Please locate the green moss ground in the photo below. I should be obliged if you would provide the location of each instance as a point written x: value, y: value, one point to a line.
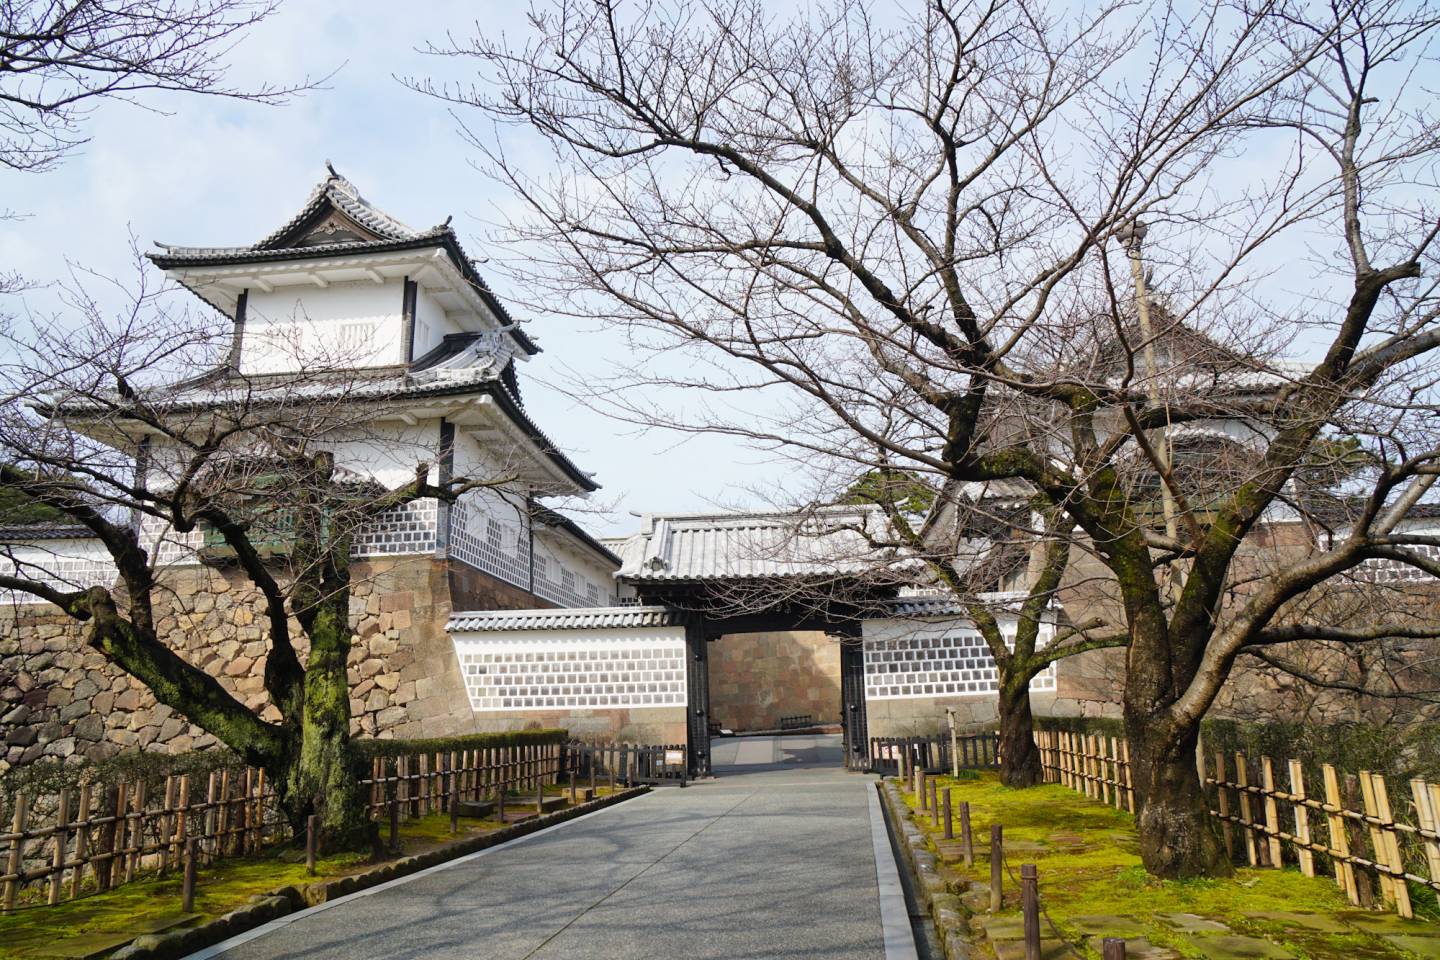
x: 219, y: 889
x: 1089, y: 865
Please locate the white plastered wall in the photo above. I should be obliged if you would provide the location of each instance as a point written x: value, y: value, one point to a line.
x: 290, y: 328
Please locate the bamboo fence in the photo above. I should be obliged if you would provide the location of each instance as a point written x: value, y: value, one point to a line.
x: 81, y: 839
x: 1348, y: 829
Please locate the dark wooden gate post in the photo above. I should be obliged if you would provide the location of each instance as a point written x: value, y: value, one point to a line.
x: 852, y: 703
x: 697, y: 677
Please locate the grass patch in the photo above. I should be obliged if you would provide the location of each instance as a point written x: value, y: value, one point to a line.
x: 1087, y: 855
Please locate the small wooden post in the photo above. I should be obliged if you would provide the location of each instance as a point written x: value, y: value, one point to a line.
x: 539, y: 795
x: 967, y: 843
x: 1030, y: 906
x: 454, y: 802
x: 590, y: 762
x: 395, y: 807
x: 574, y: 797
x: 312, y: 842
x: 934, y: 802
x: 949, y: 822
x: 187, y: 890
x: 1302, y: 819
x: 920, y: 798
x: 1272, y: 813
x: 997, y: 857
x: 1364, y: 886
x: 15, y: 861
x: 1114, y: 949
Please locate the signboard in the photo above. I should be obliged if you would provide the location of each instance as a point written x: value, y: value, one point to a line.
x: 674, y: 758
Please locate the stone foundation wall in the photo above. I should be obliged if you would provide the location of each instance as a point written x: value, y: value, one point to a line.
x: 59, y: 698
x: 472, y: 589
x: 757, y: 678
x: 646, y: 725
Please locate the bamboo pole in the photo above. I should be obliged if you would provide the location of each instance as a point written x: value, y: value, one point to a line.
x: 1389, y: 837
x: 61, y: 837
x: 1427, y: 814
x: 1302, y: 819
x: 1339, y: 836
x: 82, y: 842
x: 15, y: 861
x: 1222, y: 799
x: 1272, y: 813
x: 1242, y: 779
x: 1378, y: 847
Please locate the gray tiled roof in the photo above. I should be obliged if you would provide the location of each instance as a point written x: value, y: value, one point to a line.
x: 11, y: 533
x: 819, y: 542
x: 391, y: 234
x: 377, y: 384
x: 575, y: 618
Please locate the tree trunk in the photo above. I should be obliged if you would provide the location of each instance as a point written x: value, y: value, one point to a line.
x: 1019, y: 756
x: 1178, y: 839
x: 324, y: 778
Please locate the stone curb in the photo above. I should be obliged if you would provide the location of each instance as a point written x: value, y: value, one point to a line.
x: 285, y: 900
x: 937, y: 888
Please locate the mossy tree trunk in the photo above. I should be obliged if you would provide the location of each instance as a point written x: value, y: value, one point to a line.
x: 1178, y: 839
x: 1019, y: 756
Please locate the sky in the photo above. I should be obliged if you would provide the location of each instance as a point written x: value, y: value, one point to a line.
x: 202, y: 171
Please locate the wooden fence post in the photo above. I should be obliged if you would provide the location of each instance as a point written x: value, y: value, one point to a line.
x: 1030, y: 909
x: 967, y: 843
x: 949, y: 821
x: 1114, y: 949
x: 1379, y: 849
x: 997, y: 857
x: 187, y: 889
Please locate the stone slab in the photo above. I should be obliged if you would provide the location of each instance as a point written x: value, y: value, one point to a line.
x: 1023, y: 846
x: 1420, y: 946
x: 161, y: 924
x: 1239, y: 948
x: 85, y: 946
x: 479, y: 809
x: 1015, y: 950
x: 1319, y: 922
x: 1384, y: 924
x: 1106, y: 925
x: 1192, y: 923
x: 1142, y: 949
x: 1003, y: 928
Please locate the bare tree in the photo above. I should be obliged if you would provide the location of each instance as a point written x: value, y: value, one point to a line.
x: 896, y: 240
x: 59, y: 58
x: 101, y: 426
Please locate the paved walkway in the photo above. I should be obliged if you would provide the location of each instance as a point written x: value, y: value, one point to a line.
x: 775, y: 858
